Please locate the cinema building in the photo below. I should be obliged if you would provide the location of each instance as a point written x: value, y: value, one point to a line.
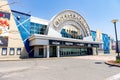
x: 66, y: 34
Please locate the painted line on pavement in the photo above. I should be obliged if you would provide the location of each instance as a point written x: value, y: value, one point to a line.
x: 115, y: 77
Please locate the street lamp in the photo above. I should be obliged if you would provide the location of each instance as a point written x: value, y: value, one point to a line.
x: 114, y: 22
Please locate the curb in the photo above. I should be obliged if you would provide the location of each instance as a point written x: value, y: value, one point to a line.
x: 112, y: 64
x: 27, y: 59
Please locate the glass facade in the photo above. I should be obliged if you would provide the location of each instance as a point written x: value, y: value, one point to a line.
x: 105, y: 39
x: 75, y: 51
x: 36, y: 28
x: 106, y: 43
x: 70, y: 31
x: 26, y: 29
x: 93, y: 33
x: 23, y: 23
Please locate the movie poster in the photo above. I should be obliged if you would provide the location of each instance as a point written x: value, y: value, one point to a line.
x: 4, y: 28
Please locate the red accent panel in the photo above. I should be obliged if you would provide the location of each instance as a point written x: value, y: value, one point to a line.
x: 1, y: 15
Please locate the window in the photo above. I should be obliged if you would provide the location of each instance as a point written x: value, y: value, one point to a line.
x: 4, y: 51
x: 35, y: 28
x: 12, y: 51
x: 18, y: 51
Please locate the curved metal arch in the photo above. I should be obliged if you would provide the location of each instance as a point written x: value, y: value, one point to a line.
x: 64, y: 17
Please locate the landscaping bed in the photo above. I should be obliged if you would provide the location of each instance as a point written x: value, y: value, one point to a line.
x: 113, y: 63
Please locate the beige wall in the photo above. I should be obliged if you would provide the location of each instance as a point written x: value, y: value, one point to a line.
x: 14, y: 38
x: 36, y: 51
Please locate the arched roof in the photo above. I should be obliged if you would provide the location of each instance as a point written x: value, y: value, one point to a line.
x: 69, y: 17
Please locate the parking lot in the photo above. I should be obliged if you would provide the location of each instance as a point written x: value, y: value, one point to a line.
x: 66, y: 68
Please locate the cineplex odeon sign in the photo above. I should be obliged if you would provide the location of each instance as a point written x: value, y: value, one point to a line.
x: 70, y: 17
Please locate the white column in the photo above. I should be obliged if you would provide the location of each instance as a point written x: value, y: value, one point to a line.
x: 48, y: 51
x: 95, y: 51
x: 44, y: 55
x: 36, y: 51
x: 58, y: 51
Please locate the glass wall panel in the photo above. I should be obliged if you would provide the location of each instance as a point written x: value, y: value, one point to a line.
x: 70, y: 31
x: 37, y: 28
x: 18, y: 51
x: 4, y: 51
x: 12, y: 51
x: 73, y: 51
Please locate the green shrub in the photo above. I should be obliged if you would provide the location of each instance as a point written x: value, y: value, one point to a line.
x: 118, y: 60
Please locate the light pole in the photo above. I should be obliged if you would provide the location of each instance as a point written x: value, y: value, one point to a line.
x: 114, y: 22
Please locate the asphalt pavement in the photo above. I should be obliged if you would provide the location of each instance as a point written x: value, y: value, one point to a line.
x: 66, y: 68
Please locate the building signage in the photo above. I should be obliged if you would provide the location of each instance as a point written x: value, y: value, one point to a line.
x: 3, y: 41
x: 1, y: 15
x: 69, y: 17
x: 56, y: 43
x: 95, y: 45
x: 67, y: 43
x: 4, y: 15
x: 79, y: 44
x: 4, y: 27
x: 89, y: 45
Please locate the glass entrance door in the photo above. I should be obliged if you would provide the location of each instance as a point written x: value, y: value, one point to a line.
x: 53, y: 51
x: 41, y: 52
x: 75, y: 51
x: 89, y: 51
x: 70, y: 51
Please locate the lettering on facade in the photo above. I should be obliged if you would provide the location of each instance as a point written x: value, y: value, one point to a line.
x: 68, y: 43
x: 65, y: 43
x: 95, y: 45
x: 79, y: 44
x: 89, y: 45
x: 56, y: 43
x: 70, y: 16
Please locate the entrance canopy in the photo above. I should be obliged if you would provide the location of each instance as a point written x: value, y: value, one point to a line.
x: 36, y: 40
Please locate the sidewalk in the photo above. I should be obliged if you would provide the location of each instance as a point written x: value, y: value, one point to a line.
x: 102, y: 57
x: 10, y: 59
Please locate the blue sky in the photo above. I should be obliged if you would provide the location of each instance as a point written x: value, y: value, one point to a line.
x: 97, y: 13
